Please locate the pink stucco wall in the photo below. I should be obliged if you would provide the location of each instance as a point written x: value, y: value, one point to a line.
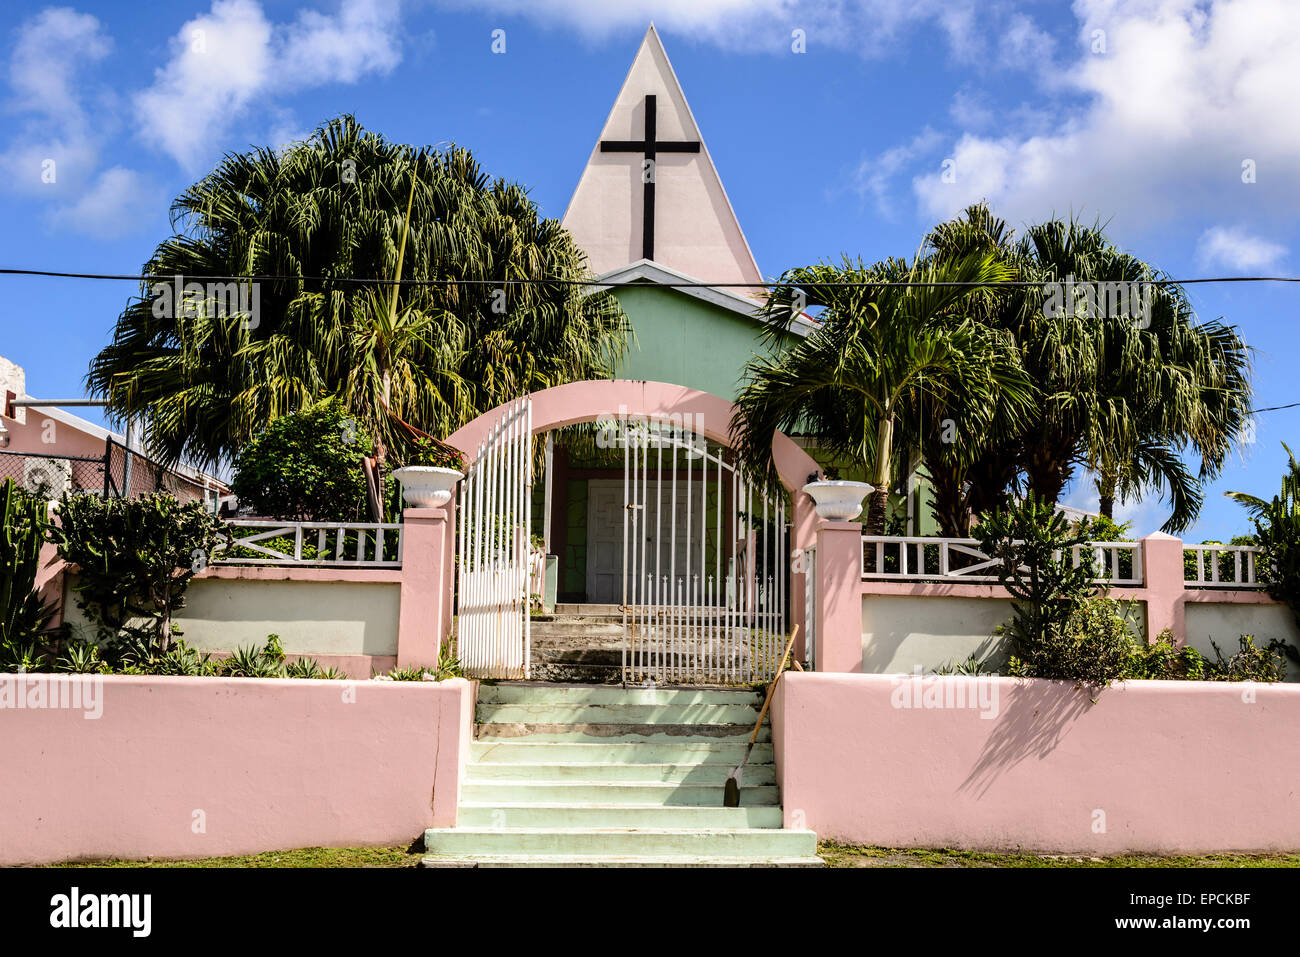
x: 1148, y: 766
x: 263, y: 764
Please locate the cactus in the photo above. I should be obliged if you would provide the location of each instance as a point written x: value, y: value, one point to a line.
x: 24, y: 528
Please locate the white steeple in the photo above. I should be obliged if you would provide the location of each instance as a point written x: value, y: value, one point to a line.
x: 693, y: 229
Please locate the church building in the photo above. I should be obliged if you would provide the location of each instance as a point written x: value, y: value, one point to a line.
x: 652, y: 214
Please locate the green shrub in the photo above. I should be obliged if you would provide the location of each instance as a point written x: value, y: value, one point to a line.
x: 135, y: 559
x: 1093, y: 646
x: 1164, y: 660
x: 24, y: 618
x: 306, y: 466
x: 1250, y: 663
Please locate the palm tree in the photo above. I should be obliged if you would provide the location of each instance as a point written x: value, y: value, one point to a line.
x: 491, y: 303
x: 1277, y: 530
x: 970, y: 446
x: 1125, y: 394
x: 876, y: 346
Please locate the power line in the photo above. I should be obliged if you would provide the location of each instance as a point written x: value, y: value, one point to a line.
x: 610, y: 283
x: 1274, y: 408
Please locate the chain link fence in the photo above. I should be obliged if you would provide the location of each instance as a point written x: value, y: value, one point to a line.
x: 119, y: 473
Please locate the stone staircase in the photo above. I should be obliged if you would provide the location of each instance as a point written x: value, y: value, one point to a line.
x: 578, y: 643
x: 590, y: 776
x: 584, y: 644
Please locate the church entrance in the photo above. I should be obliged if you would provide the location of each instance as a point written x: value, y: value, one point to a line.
x: 675, y: 559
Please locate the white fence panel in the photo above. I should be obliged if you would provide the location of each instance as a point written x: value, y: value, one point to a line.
x: 495, y: 519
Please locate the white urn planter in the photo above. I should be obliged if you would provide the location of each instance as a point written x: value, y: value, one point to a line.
x: 427, y: 486
x: 838, y: 501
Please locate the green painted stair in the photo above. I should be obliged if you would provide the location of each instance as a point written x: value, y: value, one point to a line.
x: 599, y: 776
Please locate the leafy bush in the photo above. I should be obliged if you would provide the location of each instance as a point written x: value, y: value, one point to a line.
x: 1164, y: 660
x: 306, y: 466
x: 24, y: 618
x: 1093, y: 646
x: 135, y: 559
x: 1250, y: 663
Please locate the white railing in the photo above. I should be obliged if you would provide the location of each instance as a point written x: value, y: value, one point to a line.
x: 916, y: 558
x: 360, y: 544
x: 1210, y: 573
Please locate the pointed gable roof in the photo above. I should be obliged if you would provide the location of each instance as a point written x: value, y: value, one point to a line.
x: 695, y: 229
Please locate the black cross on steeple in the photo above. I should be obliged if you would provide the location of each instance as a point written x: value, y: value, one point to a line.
x: 649, y: 147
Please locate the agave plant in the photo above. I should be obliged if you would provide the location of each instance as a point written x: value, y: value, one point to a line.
x: 80, y: 657
x: 303, y: 668
x: 24, y: 527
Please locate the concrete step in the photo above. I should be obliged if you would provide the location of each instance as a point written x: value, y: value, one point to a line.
x: 564, y: 670
x: 620, y: 731
x: 527, y: 751
x: 544, y: 712
x: 577, y: 629
x: 702, y: 773
x: 659, y: 794
x: 587, y: 609
x: 561, y: 860
x: 615, y: 815
x: 686, y: 843
x: 520, y: 693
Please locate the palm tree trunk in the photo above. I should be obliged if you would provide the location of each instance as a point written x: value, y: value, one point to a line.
x: 1106, y: 483
x: 878, y: 503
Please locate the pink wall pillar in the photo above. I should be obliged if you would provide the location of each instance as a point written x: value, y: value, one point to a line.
x: 423, y: 621
x: 839, y: 597
x: 1162, y: 573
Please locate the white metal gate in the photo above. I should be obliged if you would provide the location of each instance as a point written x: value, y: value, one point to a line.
x: 492, y: 626
x: 704, y: 586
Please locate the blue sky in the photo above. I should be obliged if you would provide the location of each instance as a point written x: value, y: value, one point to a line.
x: 1138, y: 112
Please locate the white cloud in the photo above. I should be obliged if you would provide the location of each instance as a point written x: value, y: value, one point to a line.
x: 875, y: 177
x: 321, y: 49
x: 52, y: 49
x: 970, y: 109
x: 232, y: 58
x: 114, y: 205
x: 1024, y: 45
x: 1160, y: 125
x: 1236, y: 249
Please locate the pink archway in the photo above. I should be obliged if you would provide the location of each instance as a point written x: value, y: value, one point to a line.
x: 590, y: 400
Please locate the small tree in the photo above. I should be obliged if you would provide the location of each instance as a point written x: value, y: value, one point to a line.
x: 1060, y: 627
x: 306, y: 466
x: 1034, y: 545
x: 135, y: 559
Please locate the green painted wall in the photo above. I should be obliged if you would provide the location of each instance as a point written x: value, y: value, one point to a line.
x: 685, y: 341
